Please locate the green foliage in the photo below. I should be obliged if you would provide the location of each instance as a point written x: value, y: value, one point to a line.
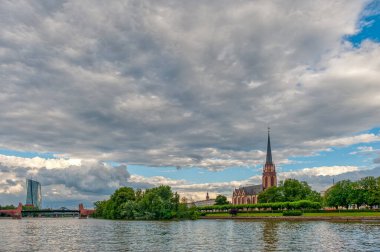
x: 292, y: 213
x: 272, y: 194
x: 221, y: 200
x: 7, y: 207
x: 301, y: 204
x: 288, y: 191
x: 345, y: 193
x: 29, y: 208
x: 158, y: 203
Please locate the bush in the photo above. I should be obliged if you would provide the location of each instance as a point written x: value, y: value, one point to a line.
x: 292, y: 213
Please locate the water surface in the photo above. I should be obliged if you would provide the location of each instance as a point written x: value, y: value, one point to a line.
x: 67, y: 234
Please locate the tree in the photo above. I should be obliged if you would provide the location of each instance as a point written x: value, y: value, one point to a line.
x: 272, y: 194
x: 288, y: 191
x: 155, y: 203
x: 370, y: 191
x: 221, y: 200
x: 295, y: 190
x: 339, y: 194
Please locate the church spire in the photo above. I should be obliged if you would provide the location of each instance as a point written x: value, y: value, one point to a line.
x: 269, y: 170
x: 269, y: 150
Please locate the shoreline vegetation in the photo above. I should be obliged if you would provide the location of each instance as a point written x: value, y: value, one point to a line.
x: 158, y: 203
x: 292, y: 199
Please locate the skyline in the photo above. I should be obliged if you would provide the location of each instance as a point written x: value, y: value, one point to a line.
x: 138, y: 94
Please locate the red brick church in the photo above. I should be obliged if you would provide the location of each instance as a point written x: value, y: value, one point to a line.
x: 249, y: 194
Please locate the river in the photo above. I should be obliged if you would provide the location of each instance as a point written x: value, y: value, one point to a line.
x: 69, y: 234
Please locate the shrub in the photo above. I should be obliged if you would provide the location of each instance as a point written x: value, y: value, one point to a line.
x: 292, y: 213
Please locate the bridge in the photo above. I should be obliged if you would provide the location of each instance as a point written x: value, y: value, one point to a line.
x: 18, y: 212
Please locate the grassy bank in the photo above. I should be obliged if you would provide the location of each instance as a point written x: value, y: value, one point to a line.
x: 325, y: 214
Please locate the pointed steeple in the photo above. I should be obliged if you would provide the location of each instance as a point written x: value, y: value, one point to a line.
x: 269, y: 150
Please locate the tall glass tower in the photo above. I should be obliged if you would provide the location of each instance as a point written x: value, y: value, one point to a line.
x: 33, y: 193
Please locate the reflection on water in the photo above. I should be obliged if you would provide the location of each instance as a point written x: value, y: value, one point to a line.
x: 270, y: 235
x: 203, y: 235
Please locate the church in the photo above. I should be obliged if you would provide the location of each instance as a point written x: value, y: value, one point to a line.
x: 249, y: 194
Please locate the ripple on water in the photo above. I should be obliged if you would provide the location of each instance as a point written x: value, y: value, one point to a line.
x: 203, y: 235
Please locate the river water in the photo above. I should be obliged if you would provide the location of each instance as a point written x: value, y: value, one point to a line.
x: 69, y: 234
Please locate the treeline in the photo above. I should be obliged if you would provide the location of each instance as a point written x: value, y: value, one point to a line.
x: 289, y: 190
x: 7, y: 207
x: 293, y: 194
x: 294, y: 205
x: 158, y: 203
x: 346, y: 193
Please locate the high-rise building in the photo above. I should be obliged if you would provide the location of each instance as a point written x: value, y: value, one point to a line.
x: 33, y: 193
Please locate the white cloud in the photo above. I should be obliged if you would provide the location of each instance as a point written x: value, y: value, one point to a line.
x: 344, y: 141
x: 182, y: 84
x: 318, y: 171
x: 38, y: 162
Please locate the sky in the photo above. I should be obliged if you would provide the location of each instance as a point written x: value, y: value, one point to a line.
x: 97, y: 95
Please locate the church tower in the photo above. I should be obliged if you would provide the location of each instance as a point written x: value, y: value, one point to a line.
x: 269, y: 171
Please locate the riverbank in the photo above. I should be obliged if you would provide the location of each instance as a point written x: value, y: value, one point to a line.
x: 279, y: 217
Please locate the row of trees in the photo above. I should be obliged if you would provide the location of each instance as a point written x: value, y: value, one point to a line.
x: 346, y: 193
x: 7, y: 207
x: 161, y: 203
x: 152, y: 204
x: 301, y: 204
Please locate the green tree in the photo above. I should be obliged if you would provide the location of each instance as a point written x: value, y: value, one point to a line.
x: 295, y: 190
x: 357, y: 195
x: 7, y: 207
x: 221, y: 200
x: 370, y: 190
x: 272, y: 194
x: 155, y: 203
x: 339, y: 194
x: 288, y: 191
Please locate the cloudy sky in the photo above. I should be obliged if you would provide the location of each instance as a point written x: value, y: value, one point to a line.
x: 101, y: 94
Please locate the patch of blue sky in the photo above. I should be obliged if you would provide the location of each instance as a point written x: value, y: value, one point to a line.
x: 338, y: 156
x: 368, y: 25
x: 27, y: 154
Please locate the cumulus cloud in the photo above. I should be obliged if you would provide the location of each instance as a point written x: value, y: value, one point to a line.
x: 38, y: 162
x: 90, y: 180
x: 148, y: 83
x: 180, y: 83
x: 346, y: 141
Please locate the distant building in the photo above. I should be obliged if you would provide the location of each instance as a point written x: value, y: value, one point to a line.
x: 249, y: 194
x: 207, y: 202
x: 33, y: 193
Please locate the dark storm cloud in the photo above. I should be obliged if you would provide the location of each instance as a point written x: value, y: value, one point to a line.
x: 92, y: 178
x: 180, y: 83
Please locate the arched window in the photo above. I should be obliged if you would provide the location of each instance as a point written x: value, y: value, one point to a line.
x: 266, y: 182
x: 248, y: 201
x: 272, y: 181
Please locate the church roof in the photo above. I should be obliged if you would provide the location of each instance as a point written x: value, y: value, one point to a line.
x: 250, y: 190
